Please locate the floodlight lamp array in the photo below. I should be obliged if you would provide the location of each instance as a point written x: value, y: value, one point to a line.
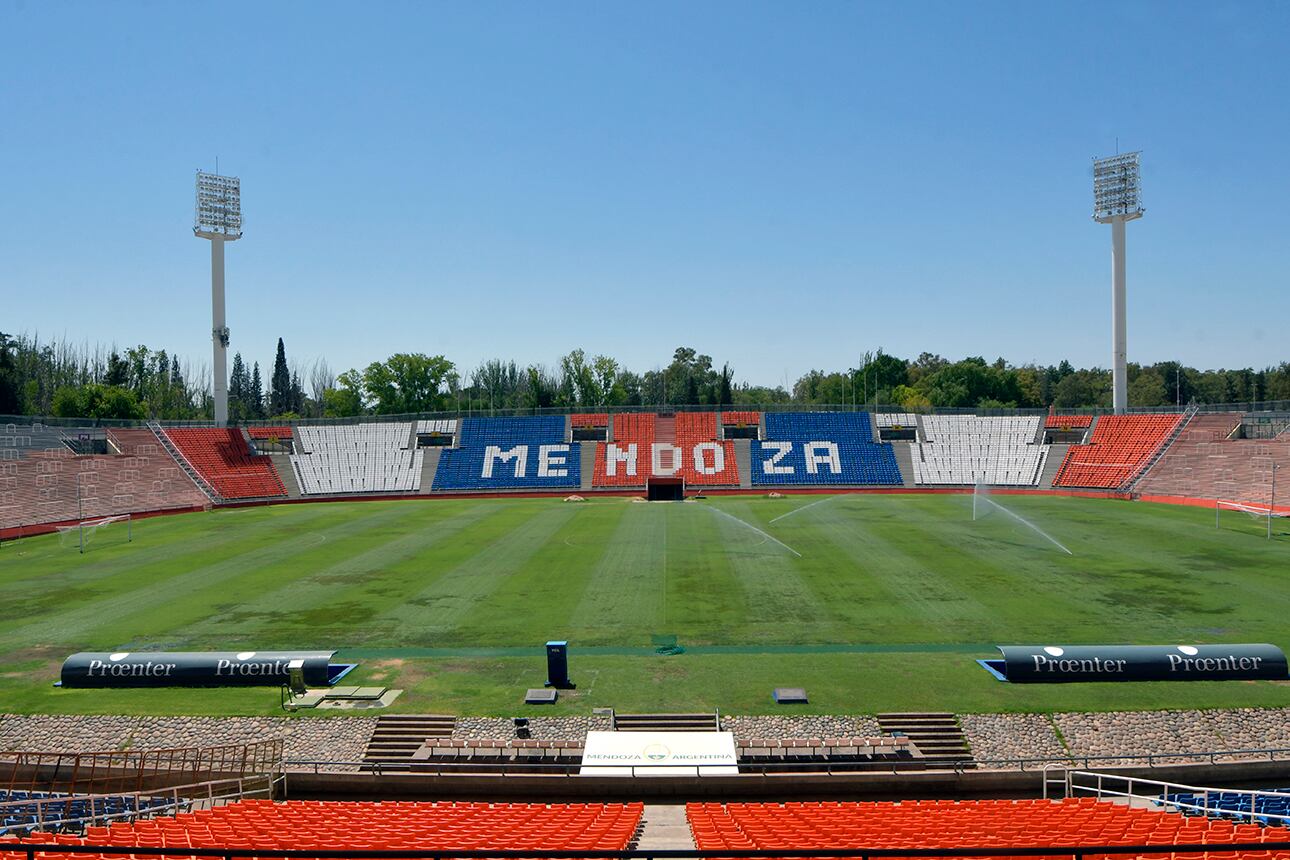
x: 219, y: 206
x: 1117, y: 187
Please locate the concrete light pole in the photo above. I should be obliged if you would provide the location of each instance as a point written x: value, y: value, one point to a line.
x: 218, y: 218
x: 1117, y: 188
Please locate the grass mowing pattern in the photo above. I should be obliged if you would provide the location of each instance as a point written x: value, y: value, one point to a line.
x: 890, y: 601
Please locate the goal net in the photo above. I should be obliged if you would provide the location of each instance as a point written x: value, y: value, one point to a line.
x: 80, y: 535
x: 1272, y: 519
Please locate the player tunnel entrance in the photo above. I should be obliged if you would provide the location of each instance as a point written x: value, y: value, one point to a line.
x: 665, y: 489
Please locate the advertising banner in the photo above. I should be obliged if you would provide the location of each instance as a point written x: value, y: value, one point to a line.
x: 1055, y: 664
x: 199, y: 668
x: 659, y: 754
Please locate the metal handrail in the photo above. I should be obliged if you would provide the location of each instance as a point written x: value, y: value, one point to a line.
x: 1167, y: 788
x: 426, y: 767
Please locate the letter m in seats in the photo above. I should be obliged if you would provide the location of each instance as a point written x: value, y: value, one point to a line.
x: 493, y: 454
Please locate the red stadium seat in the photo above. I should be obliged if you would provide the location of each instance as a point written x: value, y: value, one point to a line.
x: 221, y: 457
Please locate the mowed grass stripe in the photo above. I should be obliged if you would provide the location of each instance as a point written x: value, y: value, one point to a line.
x: 701, y: 598
x: 437, y: 610
x: 158, y: 607
x: 361, y: 576
x: 45, y: 577
x: 536, y: 603
x: 623, y: 600
x: 913, y: 597
x: 775, y: 593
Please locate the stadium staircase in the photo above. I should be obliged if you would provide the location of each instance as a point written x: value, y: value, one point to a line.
x: 286, y: 473
x: 665, y: 434
x: 429, y: 465
x: 397, y: 736
x: 743, y: 460
x: 1056, y: 456
x: 664, y: 827
x: 904, y: 452
x: 667, y: 722
x: 1132, y: 484
x: 936, y: 735
x: 179, y: 458
x: 588, y: 465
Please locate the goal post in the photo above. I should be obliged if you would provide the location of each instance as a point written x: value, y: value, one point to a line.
x: 81, y: 534
x: 1263, y: 513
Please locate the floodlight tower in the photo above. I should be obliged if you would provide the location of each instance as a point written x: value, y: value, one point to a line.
x: 1116, y: 200
x: 218, y: 218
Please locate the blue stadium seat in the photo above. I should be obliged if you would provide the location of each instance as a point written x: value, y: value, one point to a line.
x: 511, y: 453
x: 808, y: 448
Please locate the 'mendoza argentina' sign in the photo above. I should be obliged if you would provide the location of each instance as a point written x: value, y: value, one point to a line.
x: 198, y: 668
x: 1049, y: 664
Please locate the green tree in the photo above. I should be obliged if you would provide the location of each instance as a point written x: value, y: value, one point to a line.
x: 255, y: 398
x: 280, y: 383
x: 95, y: 400
x: 406, y: 382
x: 118, y: 372
x: 1147, y: 389
x: 346, y: 399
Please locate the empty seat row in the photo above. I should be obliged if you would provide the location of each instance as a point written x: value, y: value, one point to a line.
x: 1119, y: 449
x: 357, y: 458
x: 943, y: 824
x: 510, y: 453
x: 410, y: 826
x: 222, y: 458
x: 970, y: 449
x: 808, y: 448
x: 686, y: 445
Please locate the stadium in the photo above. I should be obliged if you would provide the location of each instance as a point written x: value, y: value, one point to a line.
x: 710, y: 626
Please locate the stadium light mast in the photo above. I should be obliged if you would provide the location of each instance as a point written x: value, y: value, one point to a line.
x: 1117, y: 190
x: 218, y: 217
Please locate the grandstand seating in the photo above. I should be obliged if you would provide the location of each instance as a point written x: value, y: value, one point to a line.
x: 446, y: 427
x: 356, y: 458
x: 34, y: 437
x: 280, y: 432
x: 967, y: 449
x: 741, y: 419
x: 221, y: 456
x: 1204, y: 463
x: 1236, y: 805
x: 1074, y: 422
x: 684, y: 445
x: 23, y: 810
x: 589, y: 419
x: 895, y: 419
x: 42, y: 486
x: 510, y: 453
x: 1119, y: 449
x: 342, y: 825
x: 821, y: 448
x: 954, y: 824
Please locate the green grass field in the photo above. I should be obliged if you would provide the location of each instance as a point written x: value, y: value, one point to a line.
x: 871, y: 602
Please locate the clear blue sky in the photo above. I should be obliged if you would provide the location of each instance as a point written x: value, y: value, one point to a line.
x: 780, y: 185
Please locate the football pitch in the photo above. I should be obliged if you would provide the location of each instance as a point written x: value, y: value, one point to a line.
x: 870, y: 602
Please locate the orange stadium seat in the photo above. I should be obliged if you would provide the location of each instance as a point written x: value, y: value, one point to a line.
x: 221, y: 457
x: 304, y: 825
x: 933, y: 824
x: 269, y: 432
x: 1076, y: 422
x: 1119, y: 449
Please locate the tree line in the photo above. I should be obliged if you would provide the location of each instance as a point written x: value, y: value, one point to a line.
x: 62, y: 379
